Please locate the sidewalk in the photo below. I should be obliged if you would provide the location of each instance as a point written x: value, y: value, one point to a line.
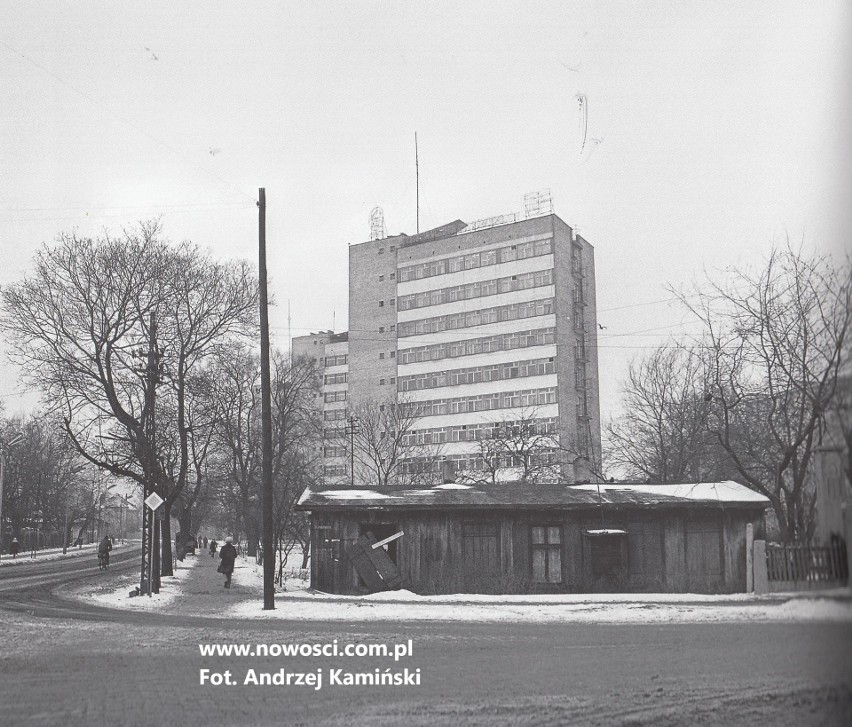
x: 203, y: 592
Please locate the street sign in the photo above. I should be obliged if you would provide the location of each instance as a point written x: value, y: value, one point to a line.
x: 154, y: 501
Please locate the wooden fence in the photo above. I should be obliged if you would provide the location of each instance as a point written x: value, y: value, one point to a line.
x: 807, y: 565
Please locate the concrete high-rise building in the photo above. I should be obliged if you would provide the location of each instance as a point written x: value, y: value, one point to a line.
x: 481, y: 325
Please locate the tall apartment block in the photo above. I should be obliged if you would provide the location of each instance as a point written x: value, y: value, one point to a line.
x: 481, y: 326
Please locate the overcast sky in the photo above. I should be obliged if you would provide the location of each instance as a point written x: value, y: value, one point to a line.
x: 713, y: 129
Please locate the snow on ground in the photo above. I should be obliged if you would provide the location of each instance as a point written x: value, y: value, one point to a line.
x: 298, y: 601
x: 23, y: 558
x: 116, y: 594
x: 585, y: 609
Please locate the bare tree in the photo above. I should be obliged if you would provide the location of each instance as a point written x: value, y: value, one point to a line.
x: 772, y: 345
x: 81, y: 320
x: 662, y: 433
x: 385, y: 446
x: 44, y: 488
x: 520, y: 448
x: 234, y: 398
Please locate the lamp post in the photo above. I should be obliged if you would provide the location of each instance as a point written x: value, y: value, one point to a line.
x: 17, y: 439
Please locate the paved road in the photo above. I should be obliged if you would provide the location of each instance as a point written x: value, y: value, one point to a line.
x: 68, y: 665
x: 28, y: 573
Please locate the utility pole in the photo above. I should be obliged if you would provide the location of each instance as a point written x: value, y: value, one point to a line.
x: 350, y: 430
x: 150, y: 578
x: 266, y: 412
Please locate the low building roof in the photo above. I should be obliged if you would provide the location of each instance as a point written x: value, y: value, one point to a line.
x: 524, y: 496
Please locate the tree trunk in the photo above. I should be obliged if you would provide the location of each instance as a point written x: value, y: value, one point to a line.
x: 166, y: 542
x: 185, y: 520
x: 306, y: 553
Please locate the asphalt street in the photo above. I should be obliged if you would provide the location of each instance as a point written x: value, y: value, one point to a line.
x: 67, y: 663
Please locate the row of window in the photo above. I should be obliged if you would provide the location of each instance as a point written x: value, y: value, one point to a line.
x: 478, y: 289
x: 336, y: 360
x: 473, y: 346
x: 332, y: 396
x: 334, y: 470
x: 331, y: 451
x: 484, y: 316
x: 477, y: 374
x: 476, y: 463
x: 487, y: 402
x: 334, y: 415
x: 340, y: 378
x: 470, y: 432
x: 474, y: 260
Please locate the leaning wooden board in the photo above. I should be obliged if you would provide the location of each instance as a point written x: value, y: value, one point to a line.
x: 374, y: 566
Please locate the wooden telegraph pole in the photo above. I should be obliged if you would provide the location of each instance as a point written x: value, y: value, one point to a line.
x: 266, y: 413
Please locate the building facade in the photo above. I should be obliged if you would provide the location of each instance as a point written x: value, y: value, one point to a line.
x: 480, y: 329
x: 330, y: 353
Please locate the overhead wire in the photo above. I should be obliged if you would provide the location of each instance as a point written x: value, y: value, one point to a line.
x: 125, y: 120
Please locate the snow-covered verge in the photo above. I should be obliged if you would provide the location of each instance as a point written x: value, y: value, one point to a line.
x: 588, y: 609
x: 299, y: 602
x: 23, y: 558
x: 116, y: 592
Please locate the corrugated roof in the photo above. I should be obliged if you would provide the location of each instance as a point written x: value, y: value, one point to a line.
x: 519, y: 496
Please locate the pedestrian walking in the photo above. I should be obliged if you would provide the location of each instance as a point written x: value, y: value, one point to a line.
x: 103, y: 552
x: 14, y: 547
x: 213, y: 546
x: 227, y: 556
x: 205, y: 541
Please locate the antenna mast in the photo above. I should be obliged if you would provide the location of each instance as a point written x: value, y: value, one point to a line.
x: 417, y: 176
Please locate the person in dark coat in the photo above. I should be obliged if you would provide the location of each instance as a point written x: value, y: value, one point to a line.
x: 213, y: 546
x: 228, y: 554
x: 103, y: 551
x: 14, y: 547
x: 205, y: 541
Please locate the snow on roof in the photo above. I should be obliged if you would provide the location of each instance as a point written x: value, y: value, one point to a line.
x: 727, y: 491
x: 605, y: 531
x: 518, y: 495
x: 345, y: 494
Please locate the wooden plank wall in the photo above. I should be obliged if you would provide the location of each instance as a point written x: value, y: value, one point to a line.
x: 430, y: 554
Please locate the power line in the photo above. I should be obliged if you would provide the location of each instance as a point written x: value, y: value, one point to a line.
x: 203, y: 205
x: 125, y: 120
x: 174, y: 209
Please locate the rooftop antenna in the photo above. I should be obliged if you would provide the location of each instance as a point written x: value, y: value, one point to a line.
x: 377, y: 224
x: 417, y: 180
x: 538, y: 204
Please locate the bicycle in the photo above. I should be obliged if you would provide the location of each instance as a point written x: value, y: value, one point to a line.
x: 103, y: 560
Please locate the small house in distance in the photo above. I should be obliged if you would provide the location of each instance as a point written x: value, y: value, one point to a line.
x: 535, y: 538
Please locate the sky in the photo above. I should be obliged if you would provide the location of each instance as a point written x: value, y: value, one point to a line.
x: 713, y: 131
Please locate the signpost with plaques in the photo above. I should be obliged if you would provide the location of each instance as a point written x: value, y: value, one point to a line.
x: 152, y: 502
